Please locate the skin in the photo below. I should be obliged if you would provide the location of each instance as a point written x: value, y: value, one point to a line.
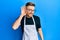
x: 28, y: 11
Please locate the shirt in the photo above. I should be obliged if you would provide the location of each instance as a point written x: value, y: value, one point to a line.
x: 29, y: 21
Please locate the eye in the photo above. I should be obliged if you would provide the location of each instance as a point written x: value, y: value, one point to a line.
x: 30, y: 10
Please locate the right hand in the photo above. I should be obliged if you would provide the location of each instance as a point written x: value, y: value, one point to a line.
x: 23, y: 11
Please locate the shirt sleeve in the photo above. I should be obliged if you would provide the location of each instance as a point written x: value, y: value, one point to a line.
x: 22, y: 22
x: 38, y: 24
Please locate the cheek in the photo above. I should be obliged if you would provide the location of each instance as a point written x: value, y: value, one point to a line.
x: 32, y: 12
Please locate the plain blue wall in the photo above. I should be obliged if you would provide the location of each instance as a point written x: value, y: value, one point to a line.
x: 47, y: 10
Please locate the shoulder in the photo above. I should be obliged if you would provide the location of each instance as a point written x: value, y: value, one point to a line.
x: 36, y: 17
x: 23, y: 17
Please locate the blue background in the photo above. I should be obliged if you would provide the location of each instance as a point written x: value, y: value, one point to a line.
x: 47, y: 10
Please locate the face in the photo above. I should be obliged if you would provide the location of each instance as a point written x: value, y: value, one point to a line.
x: 30, y: 11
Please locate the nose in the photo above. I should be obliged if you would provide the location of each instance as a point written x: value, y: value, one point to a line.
x: 30, y: 11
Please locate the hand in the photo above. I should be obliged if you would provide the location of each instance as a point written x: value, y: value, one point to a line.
x: 23, y: 11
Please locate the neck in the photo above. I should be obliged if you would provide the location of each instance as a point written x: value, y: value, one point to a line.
x: 28, y: 16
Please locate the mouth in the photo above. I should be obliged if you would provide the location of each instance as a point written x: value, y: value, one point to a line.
x: 30, y: 13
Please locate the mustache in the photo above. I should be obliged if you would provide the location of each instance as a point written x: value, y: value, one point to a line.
x: 30, y: 13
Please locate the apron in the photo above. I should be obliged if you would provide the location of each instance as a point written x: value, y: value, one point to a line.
x: 30, y: 32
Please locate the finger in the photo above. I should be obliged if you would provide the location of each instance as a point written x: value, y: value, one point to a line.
x: 23, y: 7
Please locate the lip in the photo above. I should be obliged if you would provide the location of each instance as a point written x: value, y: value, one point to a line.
x: 30, y: 13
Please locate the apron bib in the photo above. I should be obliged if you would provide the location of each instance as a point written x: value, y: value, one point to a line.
x: 30, y: 32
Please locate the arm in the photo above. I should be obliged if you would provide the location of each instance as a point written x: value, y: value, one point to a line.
x: 17, y: 23
x: 40, y: 33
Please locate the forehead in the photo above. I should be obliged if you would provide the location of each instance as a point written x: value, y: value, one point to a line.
x: 30, y: 7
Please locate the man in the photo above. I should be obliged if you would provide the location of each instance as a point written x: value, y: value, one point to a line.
x: 29, y: 23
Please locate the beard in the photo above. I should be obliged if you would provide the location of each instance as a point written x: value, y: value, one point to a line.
x: 29, y: 15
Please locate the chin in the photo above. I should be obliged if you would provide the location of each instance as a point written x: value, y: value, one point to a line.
x: 30, y: 15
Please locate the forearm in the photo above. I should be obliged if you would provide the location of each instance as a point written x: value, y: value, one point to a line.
x: 17, y: 22
x: 40, y: 33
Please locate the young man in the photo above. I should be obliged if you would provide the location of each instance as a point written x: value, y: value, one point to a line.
x: 29, y: 23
